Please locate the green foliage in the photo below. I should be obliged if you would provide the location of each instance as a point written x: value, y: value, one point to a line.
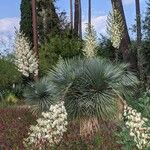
x: 26, y: 19
x: 8, y: 100
x: 146, y: 23
x: 90, y: 87
x: 55, y: 47
x: 9, y: 74
x: 146, y: 56
x: 39, y: 95
x: 105, y: 48
x: 124, y: 139
x: 48, y: 19
x: 143, y: 104
x: 1, y: 96
x: 12, y: 99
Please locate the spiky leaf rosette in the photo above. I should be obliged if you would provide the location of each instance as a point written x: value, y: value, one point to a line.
x: 90, y: 48
x: 39, y: 95
x: 25, y: 58
x: 90, y: 87
x: 115, y: 28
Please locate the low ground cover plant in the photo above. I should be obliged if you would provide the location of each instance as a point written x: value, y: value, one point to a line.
x: 14, y: 127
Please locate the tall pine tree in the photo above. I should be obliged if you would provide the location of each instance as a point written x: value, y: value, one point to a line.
x: 26, y: 19
x: 48, y: 19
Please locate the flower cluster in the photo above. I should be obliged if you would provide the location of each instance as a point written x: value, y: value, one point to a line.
x: 115, y: 28
x: 25, y: 58
x: 138, y: 127
x: 49, y: 129
x: 90, y: 42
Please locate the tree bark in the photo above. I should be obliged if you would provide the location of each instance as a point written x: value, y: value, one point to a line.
x: 125, y: 42
x: 80, y: 19
x: 89, y: 15
x: 139, y: 40
x: 76, y: 17
x: 35, y: 34
x: 71, y: 15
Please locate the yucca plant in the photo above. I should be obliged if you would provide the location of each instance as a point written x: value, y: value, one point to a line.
x: 39, y: 95
x: 91, y: 88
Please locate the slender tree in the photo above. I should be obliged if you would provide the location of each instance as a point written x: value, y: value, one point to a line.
x: 35, y: 33
x: 139, y: 40
x: 76, y: 16
x: 138, y: 23
x: 71, y: 15
x: 80, y: 19
x: 48, y: 20
x: 89, y: 15
x: 125, y: 42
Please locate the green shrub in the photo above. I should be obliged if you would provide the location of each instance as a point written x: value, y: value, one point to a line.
x: 143, y: 104
x: 11, y: 99
x: 105, y: 48
x: 55, y: 47
x: 9, y: 74
x: 124, y: 138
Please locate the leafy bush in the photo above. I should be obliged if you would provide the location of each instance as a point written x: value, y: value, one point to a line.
x: 124, y: 138
x: 9, y: 101
x: 143, y: 104
x: 105, y: 48
x: 12, y: 99
x: 14, y: 127
x: 9, y: 74
x: 146, y: 56
x: 59, y: 45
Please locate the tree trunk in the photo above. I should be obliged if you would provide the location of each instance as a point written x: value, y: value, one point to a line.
x: 35, y: 34
x: 71, y: 15
x: 76, y: 17
x: 139, y: 40
x: 80, y: 19
x: 89, y: 15
x: 125, y: 43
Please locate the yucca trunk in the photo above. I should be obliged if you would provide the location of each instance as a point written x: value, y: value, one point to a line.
x: 89, y: 126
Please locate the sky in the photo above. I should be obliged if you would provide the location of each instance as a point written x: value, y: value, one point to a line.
x: 10, y: 14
